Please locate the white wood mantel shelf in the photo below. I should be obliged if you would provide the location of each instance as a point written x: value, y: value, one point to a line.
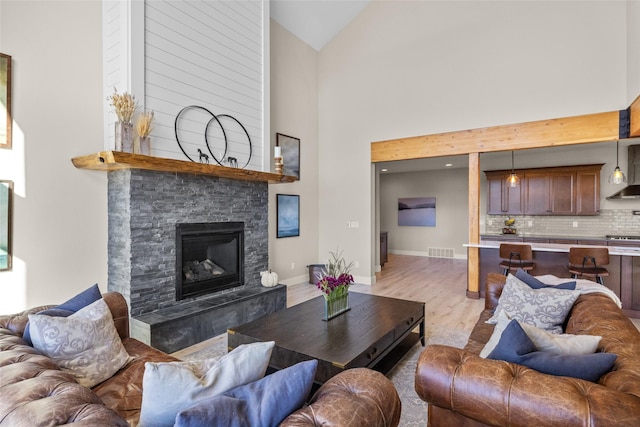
x: 117, y: 160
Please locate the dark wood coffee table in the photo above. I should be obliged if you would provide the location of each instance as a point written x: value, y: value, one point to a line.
x: 361, y: 337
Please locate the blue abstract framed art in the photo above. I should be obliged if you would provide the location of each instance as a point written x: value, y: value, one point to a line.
x: 288, y: 214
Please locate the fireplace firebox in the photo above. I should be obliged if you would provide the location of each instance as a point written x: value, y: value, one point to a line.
x: 209, y: 258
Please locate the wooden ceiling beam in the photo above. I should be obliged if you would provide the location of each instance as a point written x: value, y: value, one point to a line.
x: 583, y: 129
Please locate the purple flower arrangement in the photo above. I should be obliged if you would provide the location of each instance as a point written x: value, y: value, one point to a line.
x: 336, y: 278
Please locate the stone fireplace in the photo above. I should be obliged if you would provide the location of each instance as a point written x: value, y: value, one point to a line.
x: 148, y: 212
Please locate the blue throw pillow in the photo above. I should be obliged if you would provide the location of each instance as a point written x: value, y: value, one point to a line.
x: 266, y: 402
x: 67, y: 308
x: 516, y: 346
x: 537, y: 284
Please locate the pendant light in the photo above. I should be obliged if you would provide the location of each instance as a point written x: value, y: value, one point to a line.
x: 617, y: 176
x: 513, y: 180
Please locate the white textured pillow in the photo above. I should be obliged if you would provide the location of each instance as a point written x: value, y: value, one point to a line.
x: 545, y: 308
x: 170, y: 387
x: 86, y: 343
x: 502, y: 322
x: 561, y: 344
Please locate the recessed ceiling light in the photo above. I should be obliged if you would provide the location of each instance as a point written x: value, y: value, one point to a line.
x: 384, y: 170
x: 448, y: 165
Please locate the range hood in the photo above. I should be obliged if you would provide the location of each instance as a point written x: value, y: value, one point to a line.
x: 632, y: 190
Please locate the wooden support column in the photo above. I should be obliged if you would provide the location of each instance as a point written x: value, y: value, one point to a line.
x: 473, y: 254
x: 634, y: 109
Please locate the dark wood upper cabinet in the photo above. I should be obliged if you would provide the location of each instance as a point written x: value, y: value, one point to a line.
x: 566, y: 190
x: 502, y: 199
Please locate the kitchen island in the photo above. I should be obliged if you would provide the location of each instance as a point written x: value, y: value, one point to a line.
x: 552, y: 258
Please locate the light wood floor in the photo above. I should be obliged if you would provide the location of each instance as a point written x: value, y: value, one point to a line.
x: 440, y: 283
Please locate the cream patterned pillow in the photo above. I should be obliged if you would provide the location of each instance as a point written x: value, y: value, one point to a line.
x: 86, y: 344
x: 545, y: 308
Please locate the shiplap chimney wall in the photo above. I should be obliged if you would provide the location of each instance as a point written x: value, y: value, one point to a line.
x: 173, y: 54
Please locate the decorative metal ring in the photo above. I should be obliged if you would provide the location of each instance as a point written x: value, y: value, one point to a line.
x: 245, y: 132
x: 206, y: 139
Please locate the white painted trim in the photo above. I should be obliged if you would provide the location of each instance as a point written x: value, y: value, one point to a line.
x: 266, y: 86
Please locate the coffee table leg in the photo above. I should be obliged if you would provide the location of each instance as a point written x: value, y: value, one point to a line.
x: 422, y: 332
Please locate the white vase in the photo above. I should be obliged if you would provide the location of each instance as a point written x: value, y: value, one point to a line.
x: 124, y: 136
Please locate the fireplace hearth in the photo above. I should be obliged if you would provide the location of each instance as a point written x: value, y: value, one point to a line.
x: 209, y: 258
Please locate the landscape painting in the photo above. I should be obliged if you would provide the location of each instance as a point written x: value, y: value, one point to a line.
x: 417, y: 211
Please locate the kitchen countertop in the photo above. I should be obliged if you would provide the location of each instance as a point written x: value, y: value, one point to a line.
x: 542, y: 236
x: 559, y: 247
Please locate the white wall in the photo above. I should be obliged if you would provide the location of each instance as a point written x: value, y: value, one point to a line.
x: 294, y: 112
x: 408, y: 68
x: 633, y: 50
x: 450, y: 187
x: 60, y: 220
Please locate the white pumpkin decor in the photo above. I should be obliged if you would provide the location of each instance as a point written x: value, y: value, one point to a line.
x: 269, y: 278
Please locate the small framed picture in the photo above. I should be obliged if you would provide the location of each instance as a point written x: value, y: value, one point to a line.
x: 288, y: 213
x: 290, y: 154
x: 5, y: 101
x: 6, y: 207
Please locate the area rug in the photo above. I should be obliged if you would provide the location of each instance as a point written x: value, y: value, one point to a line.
x: 414, y: 410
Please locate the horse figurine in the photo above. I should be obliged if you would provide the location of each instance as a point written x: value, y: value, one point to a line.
x: 233, y: 162
x: 204, y: 158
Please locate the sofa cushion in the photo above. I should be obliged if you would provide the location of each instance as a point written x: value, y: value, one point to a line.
x: 86, y: 343
x: 545, y: 308
x: 67, y: 308
x: 566, y: 344
x: 534, y: 283
x: 265, y: 402
x: 516, y: 347
x: 170, y: 387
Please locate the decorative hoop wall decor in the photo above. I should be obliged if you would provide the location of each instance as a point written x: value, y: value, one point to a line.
x: 214, y: 121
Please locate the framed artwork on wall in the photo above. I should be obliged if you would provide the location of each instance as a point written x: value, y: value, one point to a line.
x: 290, y: 154
x: 417, y: 211
x: 6, y: 207
x: 5, y: 101
x: 288, y: 213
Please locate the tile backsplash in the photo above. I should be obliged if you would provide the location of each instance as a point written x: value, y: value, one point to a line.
x: 610, y: 221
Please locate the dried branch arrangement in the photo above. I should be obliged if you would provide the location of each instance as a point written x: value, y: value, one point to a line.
x: 143, y: 123
x: 124, y: 104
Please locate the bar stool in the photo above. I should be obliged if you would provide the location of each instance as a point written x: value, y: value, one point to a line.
x: 588, y: 262
x: 515, y: 256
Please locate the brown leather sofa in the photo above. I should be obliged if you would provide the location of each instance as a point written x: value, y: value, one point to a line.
x: 465, y: 390
x: 34, y: 392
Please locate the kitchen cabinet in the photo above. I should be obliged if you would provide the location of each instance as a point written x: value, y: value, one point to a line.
x: 564, y: 190
x: 549, y: 193
x: 588, y: 192
x: 502, y: 199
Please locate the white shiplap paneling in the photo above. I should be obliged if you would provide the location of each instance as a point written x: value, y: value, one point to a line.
x: 208, y: 54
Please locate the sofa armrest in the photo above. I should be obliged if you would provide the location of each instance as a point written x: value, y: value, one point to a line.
x: 493, y: 289
x: 119, y: 311
x: 500, y: 393
x: 357, y: 397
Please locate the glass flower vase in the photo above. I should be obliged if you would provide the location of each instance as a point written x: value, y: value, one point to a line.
x: 335, y: 305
